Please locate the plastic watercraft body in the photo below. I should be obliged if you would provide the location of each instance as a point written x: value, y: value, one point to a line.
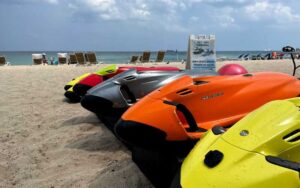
x: 92, y: 80
x: 78, y: 86
x: 111, y: 98
x: 232, y: 69
x: 108, y: 71
x: 182, y: 111
x: 123, y: 90
x: 75, y: 80
x: 261, y: 150
x: 156, y: 153
x: 115, y: 96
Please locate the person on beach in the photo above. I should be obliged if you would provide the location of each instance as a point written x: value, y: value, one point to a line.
x: 45, y: 61
x: 51, y: 60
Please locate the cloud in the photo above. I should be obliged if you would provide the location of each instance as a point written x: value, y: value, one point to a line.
x: 147, y: 24
x: 265, y: 10
x: 179, y: 15
x: 113, y: 9
x: 223, y: 12
x: 194, y: 18
x: 139, y: 12
x: 29, y: 1
x: 173, y: 4
x: 52, y: 1
x: 224, y: 17
x: 106, y: 9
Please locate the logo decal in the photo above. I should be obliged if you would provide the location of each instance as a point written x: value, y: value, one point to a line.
x: 214, y: 95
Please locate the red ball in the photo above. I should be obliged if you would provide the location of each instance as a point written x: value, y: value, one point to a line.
x: 232, y: 69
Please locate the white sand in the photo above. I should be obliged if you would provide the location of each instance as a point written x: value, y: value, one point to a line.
x: 47, y: 142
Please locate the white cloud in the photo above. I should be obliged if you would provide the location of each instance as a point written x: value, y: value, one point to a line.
x: 106, y: 9
x: 224, y: 17
x: 72, y: 6
x: 278, y: 12
x: 194, y: 18
x: 114, y: 9
x: 180, y: 15
x: 140, y: 12
x: 52, y: 1
x: 28, y: 1
x: 101, y: 5
x: 169, y: 3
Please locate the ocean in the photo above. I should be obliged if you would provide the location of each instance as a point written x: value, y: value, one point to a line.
x: 25, y: 58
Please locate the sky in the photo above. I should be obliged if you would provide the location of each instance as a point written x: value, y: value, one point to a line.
x: 136, y: 25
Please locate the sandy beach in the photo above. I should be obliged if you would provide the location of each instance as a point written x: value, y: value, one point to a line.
x: 45, y: 141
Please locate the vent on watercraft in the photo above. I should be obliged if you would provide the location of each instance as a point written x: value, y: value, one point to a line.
x: 200, y: 82
x: 247, y: 75
x: 110, y: 71
x: 129, y: 77
x: 127, y: 94
x: 293, y: 136
x: 184, y: 91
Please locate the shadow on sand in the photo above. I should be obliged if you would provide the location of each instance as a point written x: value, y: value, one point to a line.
x: 123, y: 173
x: 90, y: 119
x: 101, y: 141
x: 158, y: 166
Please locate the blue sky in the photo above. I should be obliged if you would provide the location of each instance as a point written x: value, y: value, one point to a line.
x: 129, y: 25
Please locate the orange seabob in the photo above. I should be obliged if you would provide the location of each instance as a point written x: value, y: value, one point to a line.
x: 188, y: 107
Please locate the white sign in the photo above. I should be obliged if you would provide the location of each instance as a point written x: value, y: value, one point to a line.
x: 201, y: 53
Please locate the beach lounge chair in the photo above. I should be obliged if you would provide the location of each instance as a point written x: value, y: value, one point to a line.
x: 37, y: 59
x: 241, y: 56
x: 2, y: 61
x: 91, y: 57
x: 145, y: 57
x: 62, y: 58
x: 72, y: 59
x: 246, y: 57
x: 80, y: 58
x: 160, y: 56
x: 267, y: 56
x: 280, y: 56
x: 253, y: 57
x: 134, y: 59
x: 85, y: 57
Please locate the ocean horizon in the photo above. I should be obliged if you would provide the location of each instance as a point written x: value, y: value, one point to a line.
x: 114, y: 57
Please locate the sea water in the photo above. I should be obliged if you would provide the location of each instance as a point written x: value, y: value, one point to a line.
x: 25, y: 58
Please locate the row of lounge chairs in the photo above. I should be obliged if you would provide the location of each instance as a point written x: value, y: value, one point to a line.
x: 268, y: 56
x: 146, y: 57
x: 79, y: 58
x: 255, y: 57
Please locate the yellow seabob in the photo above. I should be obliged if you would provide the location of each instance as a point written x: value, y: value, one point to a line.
x: 261, y: 150
x: 102, y: 72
